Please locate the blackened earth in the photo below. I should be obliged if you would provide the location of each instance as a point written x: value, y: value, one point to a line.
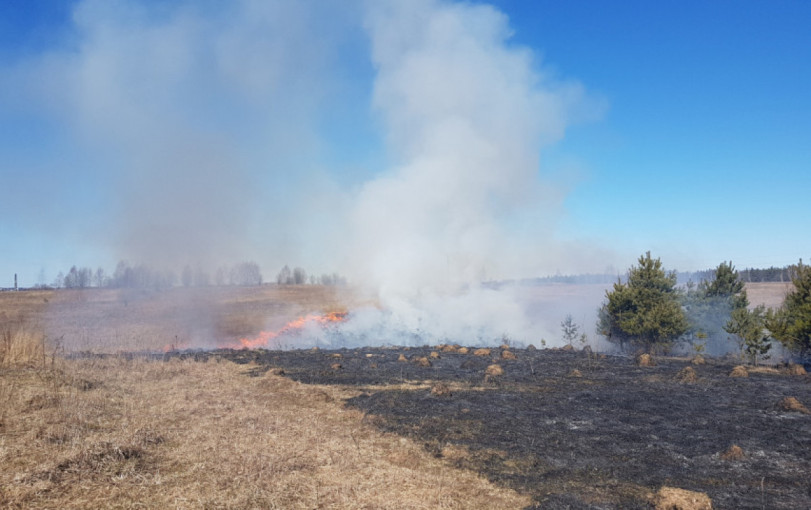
x: 606, y: 439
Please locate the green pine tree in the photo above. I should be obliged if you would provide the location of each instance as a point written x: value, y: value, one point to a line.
x: 570, y: 329
x: 645, y: 311
x: 749, y: 326
x: 710, y: 305
x: 791, y: 323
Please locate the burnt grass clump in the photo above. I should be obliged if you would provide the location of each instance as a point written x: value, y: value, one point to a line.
x: 607, y: 438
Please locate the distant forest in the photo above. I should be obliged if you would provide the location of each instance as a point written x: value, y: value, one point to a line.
x: 249, y: 273
x: 142, y: 276
x: 750, y: 275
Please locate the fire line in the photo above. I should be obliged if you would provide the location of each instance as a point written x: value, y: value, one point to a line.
x: 292, y: 327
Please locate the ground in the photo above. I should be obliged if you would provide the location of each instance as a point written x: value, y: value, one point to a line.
x: 94, y: 414
x: 606, y: 436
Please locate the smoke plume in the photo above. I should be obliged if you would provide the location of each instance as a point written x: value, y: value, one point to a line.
x: 206, y: 133
x: 466, y: 115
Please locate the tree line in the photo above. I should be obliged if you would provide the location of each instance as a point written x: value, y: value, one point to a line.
x: 144, y: 276
x: 298, y: 276
x: 648, y: 311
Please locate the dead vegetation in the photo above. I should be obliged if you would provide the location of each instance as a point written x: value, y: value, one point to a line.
x: 183, y: 434
x: 645, y: 360
x: 441, y: 390
x: 126, y: 431
x: 494, y: 370
x: 791, y: 404
x: 734, y: 452
x: 739, y: 371
x: 130, y: 320
x: 508, y: 355
x: 671, y: 498
x: 687, y: 375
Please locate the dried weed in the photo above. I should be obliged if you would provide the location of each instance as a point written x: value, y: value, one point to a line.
x: 203, y: 435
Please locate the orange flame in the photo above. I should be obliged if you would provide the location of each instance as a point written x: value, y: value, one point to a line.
x: 264, y: 338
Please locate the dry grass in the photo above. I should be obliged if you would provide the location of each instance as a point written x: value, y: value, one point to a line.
x: 508, y: 355
x: 121, y: 433
x: 115, y: 320
x: 671, y: 498
x: 494, y: 370
x: 734, y: 452
x: 645, y: 360
x: 739, y: 371
x: 770, y: 294
x: 125, y: 433
x: 687, y: 375
x: 20, y: 345
x: 791, y: 404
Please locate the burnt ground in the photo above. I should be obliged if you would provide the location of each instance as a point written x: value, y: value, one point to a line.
x: 606, y: 439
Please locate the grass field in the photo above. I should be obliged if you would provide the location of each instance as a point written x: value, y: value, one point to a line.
x: 123, y: 431
x: 127, y: 432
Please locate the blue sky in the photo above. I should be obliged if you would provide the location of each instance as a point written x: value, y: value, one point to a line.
x: 692, y: 138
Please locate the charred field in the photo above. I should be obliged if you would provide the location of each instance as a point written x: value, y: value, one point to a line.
x: 93, y: 414
x: 574, y: 429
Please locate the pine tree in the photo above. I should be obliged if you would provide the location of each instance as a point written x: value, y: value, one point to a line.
x: 726, y: 285
x: 646, y: 310
x: 750, y: 328
x: 570, y: 329
x: 710, y: 305
x: 791, y: 323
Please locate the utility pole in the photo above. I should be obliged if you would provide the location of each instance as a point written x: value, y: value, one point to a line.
x: 15, y: 281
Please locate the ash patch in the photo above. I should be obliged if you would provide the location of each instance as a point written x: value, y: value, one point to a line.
x: 608, y: 439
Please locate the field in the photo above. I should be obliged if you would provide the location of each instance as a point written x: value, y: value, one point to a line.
x: 94, y: 414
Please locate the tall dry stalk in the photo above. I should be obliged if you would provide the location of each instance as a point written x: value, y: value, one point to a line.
x: 20, y: 346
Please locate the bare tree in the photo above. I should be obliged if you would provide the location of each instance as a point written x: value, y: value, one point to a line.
x: 246, y: 273
x: 285, y: 276
x: 299, y: 276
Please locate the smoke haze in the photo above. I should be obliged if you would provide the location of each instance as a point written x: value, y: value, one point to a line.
x: 466, y: 117
x: 204, y: 130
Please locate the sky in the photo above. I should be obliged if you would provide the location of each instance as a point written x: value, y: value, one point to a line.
x: 404, y: 141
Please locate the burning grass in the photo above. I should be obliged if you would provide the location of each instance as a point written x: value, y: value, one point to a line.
x: 132, y: 320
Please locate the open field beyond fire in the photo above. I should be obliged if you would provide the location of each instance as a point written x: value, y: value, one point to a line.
x: 94, y: 414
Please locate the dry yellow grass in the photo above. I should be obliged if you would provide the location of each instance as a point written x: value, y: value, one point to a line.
x: 792, y: 404
x: 671, y: 498
x: 687, y: 375
x: 645, y: 360
x: 739, y: 371
x: 118, y: 433
x: 770, y: 294
x: 115, y: 320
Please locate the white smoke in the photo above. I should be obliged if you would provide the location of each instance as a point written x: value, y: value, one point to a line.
x: 191, y: 125
x: 198, y: 130
x: 467, y: 115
